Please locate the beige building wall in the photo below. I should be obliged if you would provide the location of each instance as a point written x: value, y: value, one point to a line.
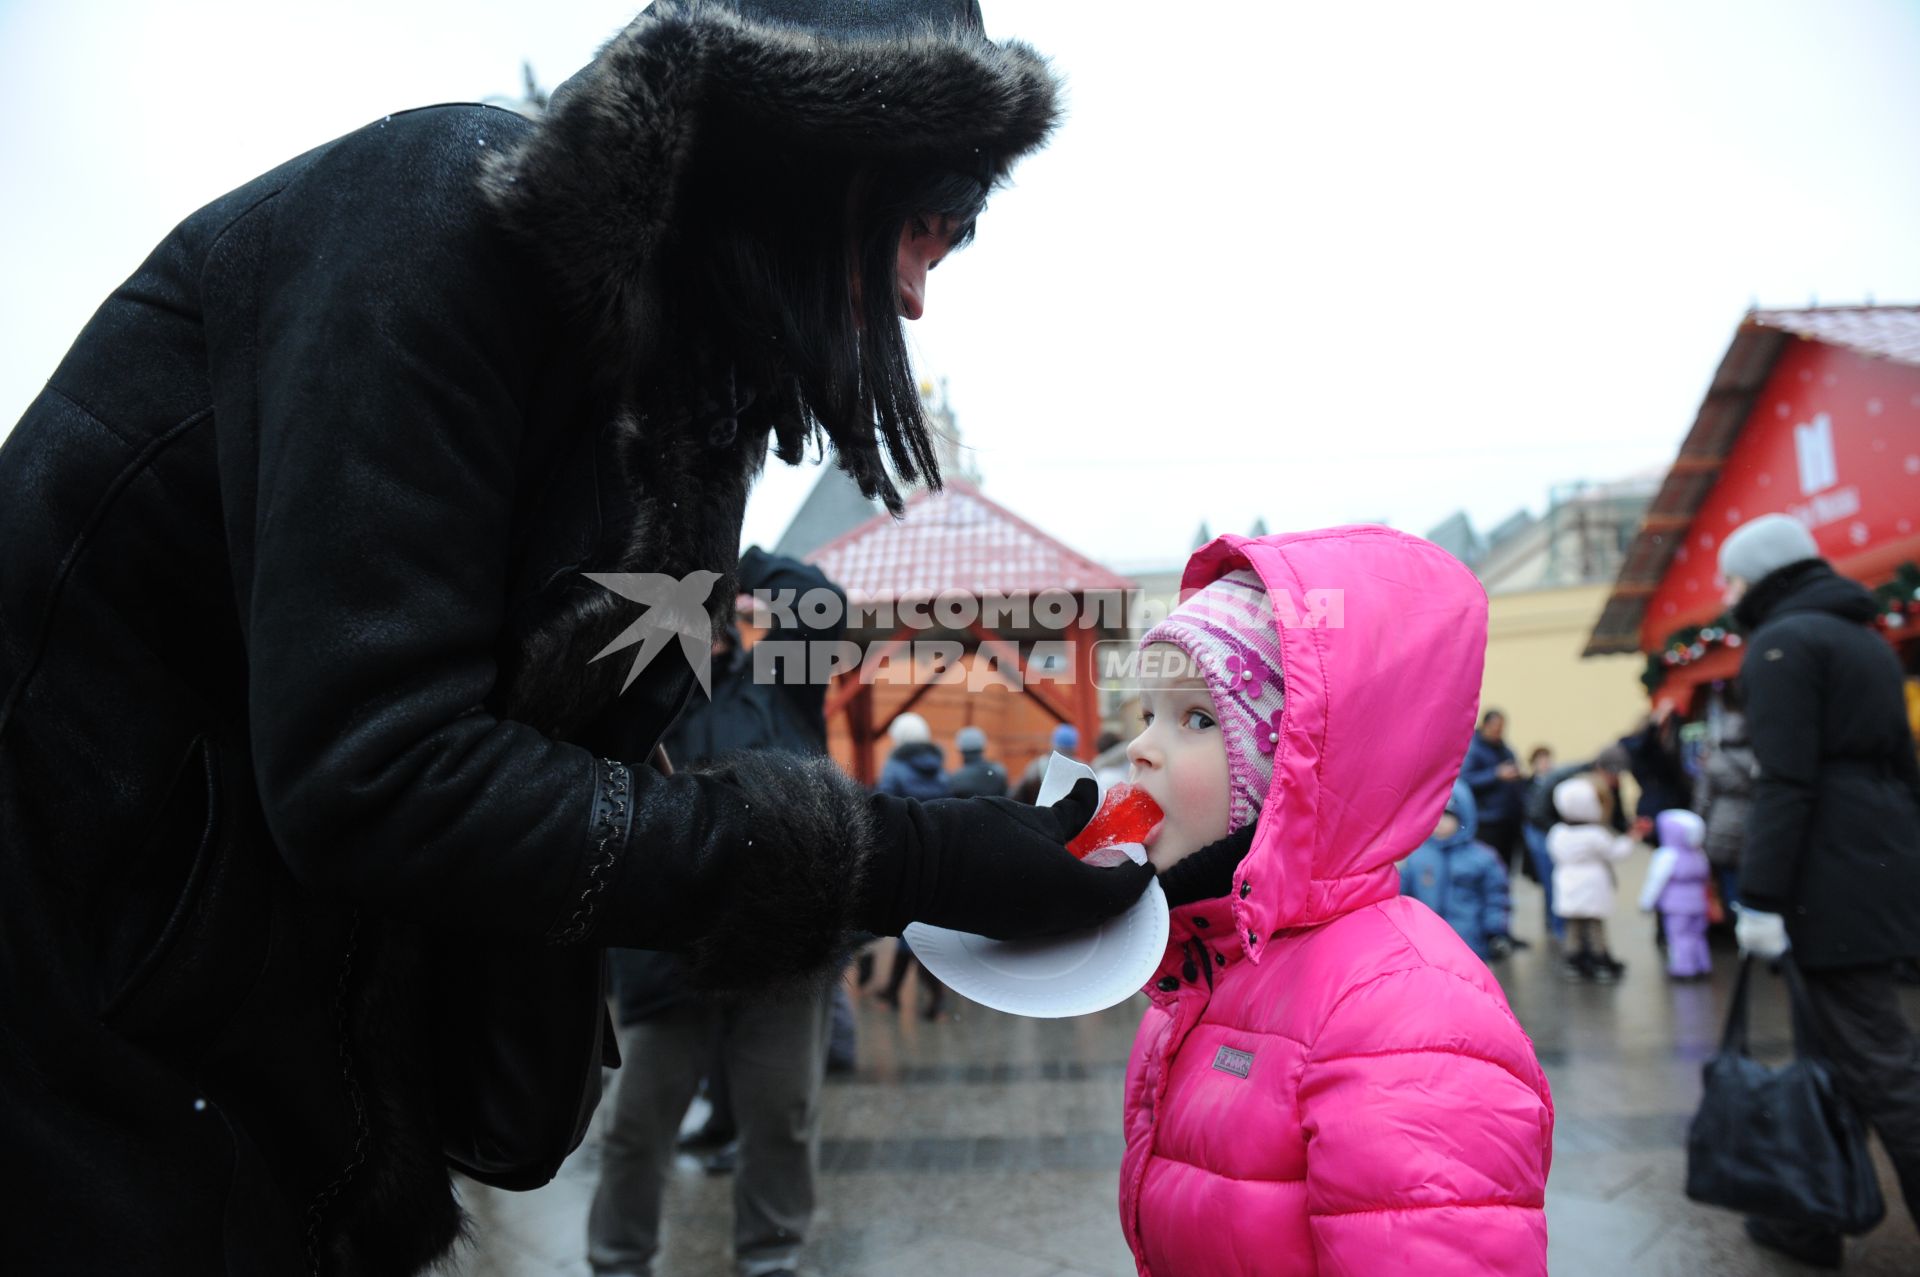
x: 1534, y: 673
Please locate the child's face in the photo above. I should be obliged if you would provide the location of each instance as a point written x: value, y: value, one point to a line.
x: 1180, y: 759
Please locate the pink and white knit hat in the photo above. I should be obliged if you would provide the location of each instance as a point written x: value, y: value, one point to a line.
x: 1228, y: 628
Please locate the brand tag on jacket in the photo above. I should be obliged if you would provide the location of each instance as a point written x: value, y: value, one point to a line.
x: 1238, y: 1063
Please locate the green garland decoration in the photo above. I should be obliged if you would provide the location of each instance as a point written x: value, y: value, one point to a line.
x: 1898, y: 601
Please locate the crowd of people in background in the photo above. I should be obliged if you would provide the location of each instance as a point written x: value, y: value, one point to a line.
x: 1567, y: 827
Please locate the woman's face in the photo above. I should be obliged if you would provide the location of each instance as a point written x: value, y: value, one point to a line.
x: 924, y: 242
x: 1180, y: 759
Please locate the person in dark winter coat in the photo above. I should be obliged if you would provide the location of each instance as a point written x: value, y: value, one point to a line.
x: 1065, y: 740
x: 1461, y: 879
x: 1832, y: 857
x: 915, y: 768
x: 977, y: 774
x: 302, y: 732
x: 1492, y: 772
x: 1653, y: 751
x: 1722, y: 794
x: 764, y: 1057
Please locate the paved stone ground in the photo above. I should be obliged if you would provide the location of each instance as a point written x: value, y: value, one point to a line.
x: 988, y: 1146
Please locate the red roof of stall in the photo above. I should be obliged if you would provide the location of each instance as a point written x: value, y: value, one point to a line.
x: 1884, y: 332
x: 955, y: 541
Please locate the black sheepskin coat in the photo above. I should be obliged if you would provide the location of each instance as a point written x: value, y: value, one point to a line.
x: 296, y: 706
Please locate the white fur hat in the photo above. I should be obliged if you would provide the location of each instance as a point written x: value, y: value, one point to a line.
x: 1760, y: 547
x: 909, y: 729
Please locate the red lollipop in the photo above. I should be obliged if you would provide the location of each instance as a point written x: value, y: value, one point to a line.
x: 1127, y: 814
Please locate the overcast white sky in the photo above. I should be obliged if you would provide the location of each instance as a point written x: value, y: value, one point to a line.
x: 1313, y: 262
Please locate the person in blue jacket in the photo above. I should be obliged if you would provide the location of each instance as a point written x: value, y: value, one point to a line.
x: 916, y: 768
x: 1460, y: 879
x: 1493, y: 773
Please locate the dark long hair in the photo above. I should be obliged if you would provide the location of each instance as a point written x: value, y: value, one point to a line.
x: 763, y: 299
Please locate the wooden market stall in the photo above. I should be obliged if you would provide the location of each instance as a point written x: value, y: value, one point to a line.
x: 969, y: 615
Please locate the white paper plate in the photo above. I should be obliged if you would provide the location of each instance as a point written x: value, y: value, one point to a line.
x: 1061, y: 976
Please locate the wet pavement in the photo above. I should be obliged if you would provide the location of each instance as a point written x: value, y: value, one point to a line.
x: 983, y: 1145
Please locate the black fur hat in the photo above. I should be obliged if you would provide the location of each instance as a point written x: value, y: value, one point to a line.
x: 843, y: 19
x: 596, y: 183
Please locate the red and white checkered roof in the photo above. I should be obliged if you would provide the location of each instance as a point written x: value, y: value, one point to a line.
x: 952, y: 541
x: 1890, y: 332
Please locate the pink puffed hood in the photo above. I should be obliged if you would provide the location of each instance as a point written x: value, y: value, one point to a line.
x: 1382, y: 641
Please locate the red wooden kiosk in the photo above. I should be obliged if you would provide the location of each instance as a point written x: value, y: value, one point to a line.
x: 1813, y: 413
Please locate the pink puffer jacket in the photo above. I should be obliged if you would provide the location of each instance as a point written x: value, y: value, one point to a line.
x: 1328, y: 1081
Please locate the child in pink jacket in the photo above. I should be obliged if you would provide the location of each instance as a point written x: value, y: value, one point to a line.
x: 1328, y: 1081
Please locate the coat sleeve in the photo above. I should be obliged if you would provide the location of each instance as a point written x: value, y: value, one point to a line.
x: 391, y: 369
x: 1429, y: 1133
x: 1481, y: 767
x: 1783, y: 719
x: 1659, y: 874
x: 1703, y: 785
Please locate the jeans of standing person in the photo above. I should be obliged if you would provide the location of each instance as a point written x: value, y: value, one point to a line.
x: 903, y: 962
x: 842, y: 1032
x: 774, y: 1052
x: 1876, y: 1061
x: 1687, y: 952
x: 1536, y: 840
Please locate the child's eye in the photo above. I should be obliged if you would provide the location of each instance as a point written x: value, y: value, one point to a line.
x: 1146, y: 718
x: 1199, y: 720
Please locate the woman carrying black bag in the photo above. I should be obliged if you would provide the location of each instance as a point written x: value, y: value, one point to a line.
x: 1782, y: 1145
x: 1831, y: 863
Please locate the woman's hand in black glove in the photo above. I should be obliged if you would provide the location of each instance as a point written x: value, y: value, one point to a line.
x: 991, y: 866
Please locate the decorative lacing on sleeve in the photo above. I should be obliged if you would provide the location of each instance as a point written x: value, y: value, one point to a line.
x: 607, y: 832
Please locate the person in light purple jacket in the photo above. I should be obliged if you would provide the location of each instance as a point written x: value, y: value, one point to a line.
x: 1677, y: 886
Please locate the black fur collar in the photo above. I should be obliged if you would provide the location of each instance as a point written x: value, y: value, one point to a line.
x: 595, y: 183
x: 1765, y: 597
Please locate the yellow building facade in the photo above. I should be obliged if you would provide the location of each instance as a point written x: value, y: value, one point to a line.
x: 1535, y: 673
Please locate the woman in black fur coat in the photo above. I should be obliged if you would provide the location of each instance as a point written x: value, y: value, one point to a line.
x: 311, y: 790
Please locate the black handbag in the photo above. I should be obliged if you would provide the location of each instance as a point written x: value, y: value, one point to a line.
x: 1782, y: 1144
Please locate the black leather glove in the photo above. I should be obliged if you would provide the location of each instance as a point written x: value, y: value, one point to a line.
x: 1499, y: 946
x: 991, y: 866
